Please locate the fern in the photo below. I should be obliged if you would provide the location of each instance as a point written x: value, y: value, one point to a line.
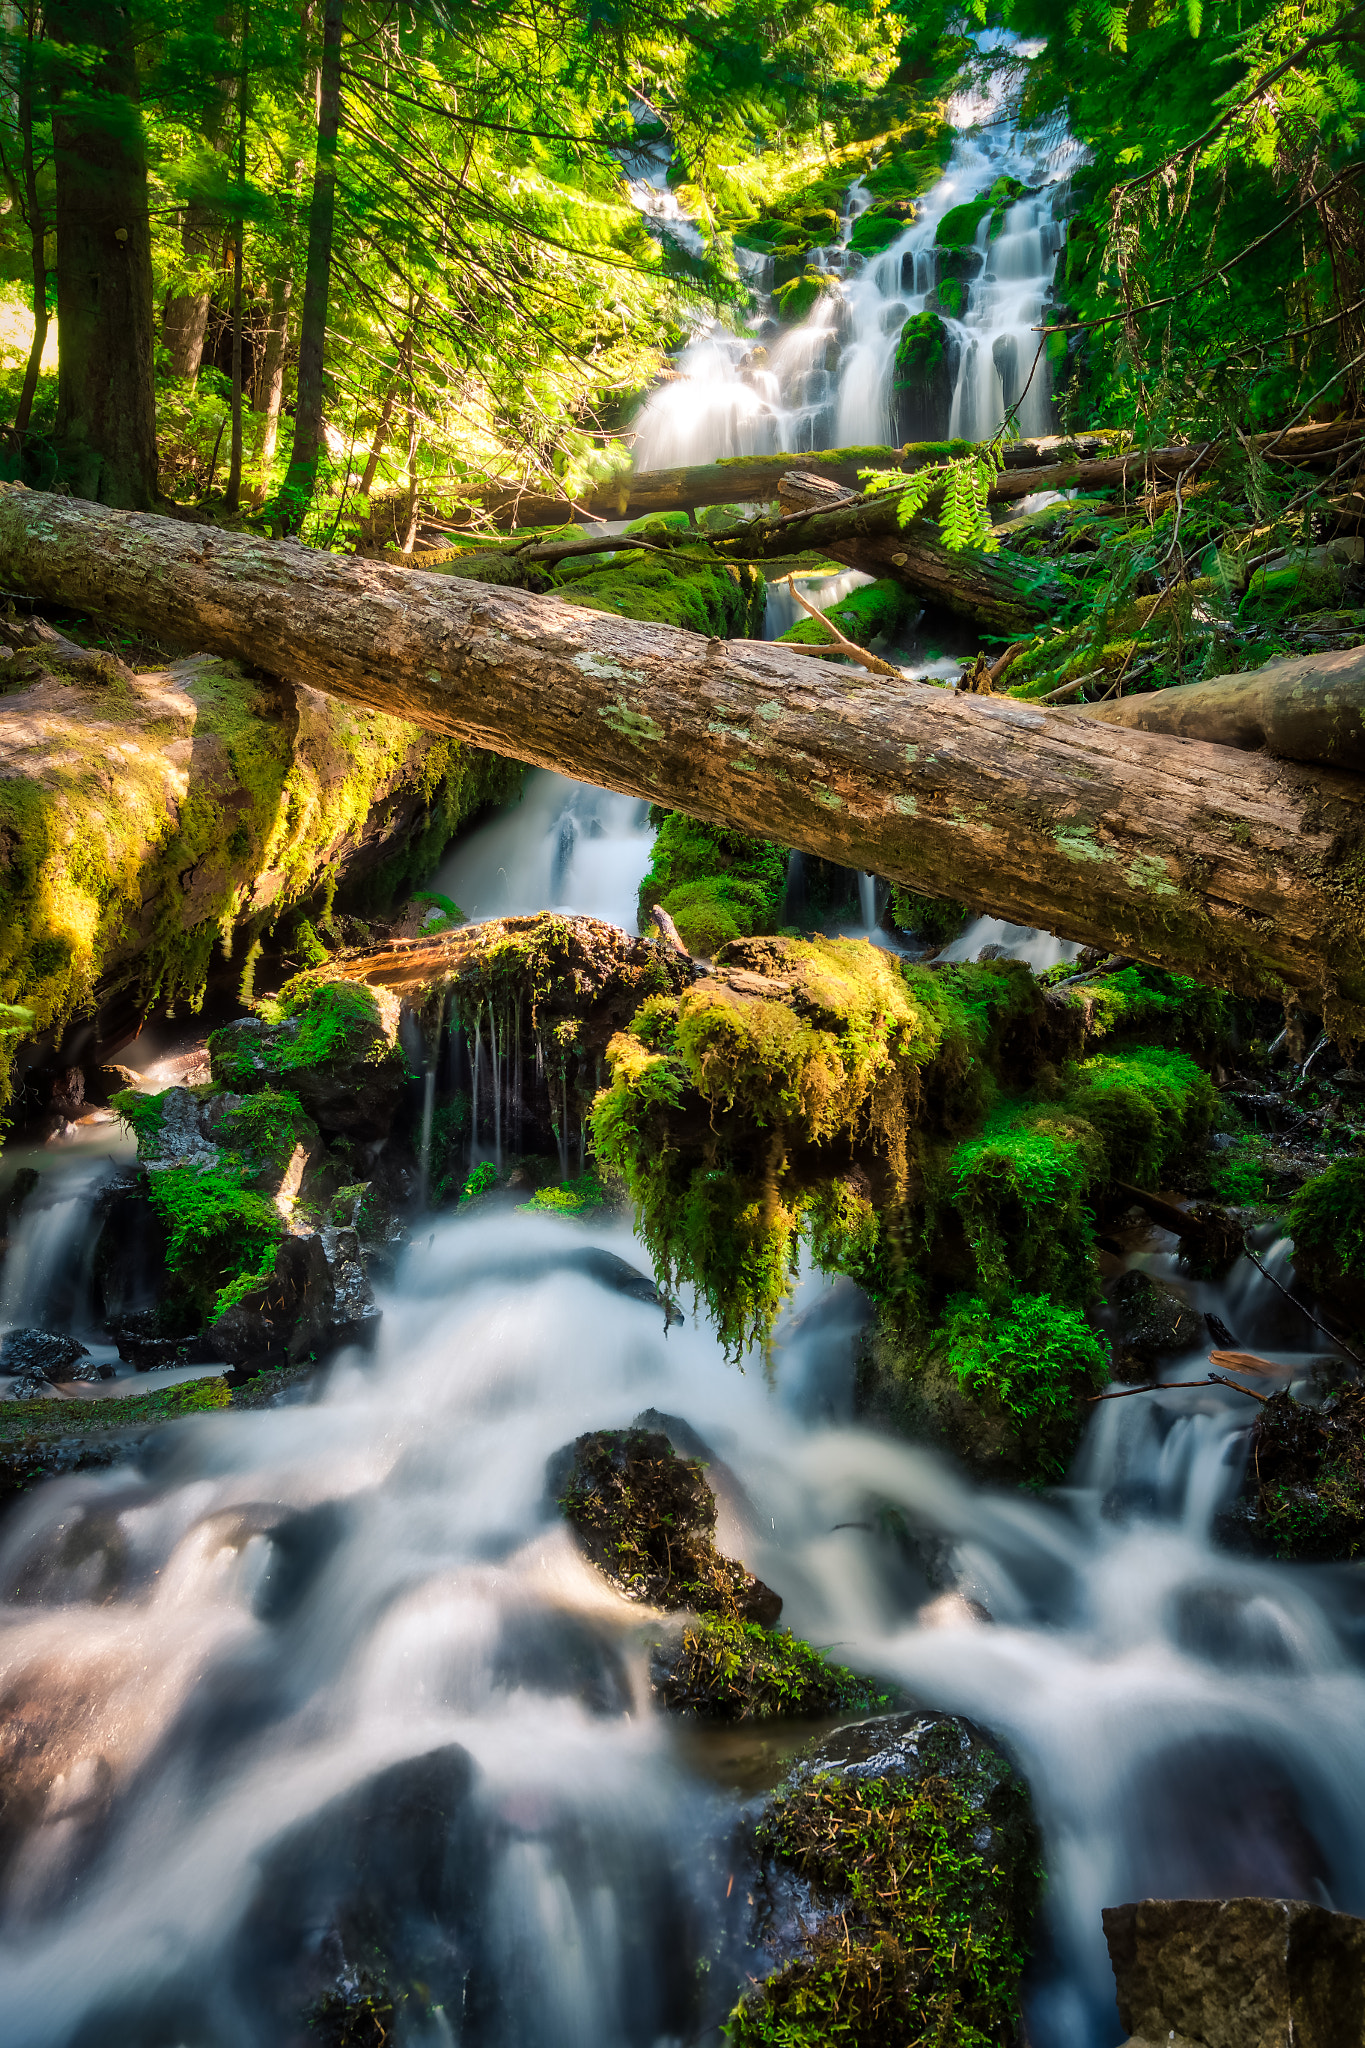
x: 964, y: 482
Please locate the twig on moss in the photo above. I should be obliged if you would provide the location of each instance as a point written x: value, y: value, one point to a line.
x: 843, y: 645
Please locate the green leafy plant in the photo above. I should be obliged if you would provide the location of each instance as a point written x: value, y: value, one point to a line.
x: 480, y: 1181
x: 1033, y: 1358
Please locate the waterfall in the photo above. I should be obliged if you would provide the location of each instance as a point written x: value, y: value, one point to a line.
x: 829, y: 381
x: 563, y: 846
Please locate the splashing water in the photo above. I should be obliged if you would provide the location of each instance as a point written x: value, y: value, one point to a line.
x: 350, y: 1642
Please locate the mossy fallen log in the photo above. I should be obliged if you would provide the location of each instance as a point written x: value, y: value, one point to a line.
x: 1244, y: 871
x: 1053, y: 462
x: 144, y: 818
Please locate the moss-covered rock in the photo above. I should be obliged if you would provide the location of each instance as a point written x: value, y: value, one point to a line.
x: 873, y: 609
x: 1305, y: 1488
x: 647, y: 1519
x: 883, y: 223
x: 719, y: 1668
x: 724, y: 600
x: 144, y: 816
x: 1151, y: 1320
x: 1327, y: 1223
x: 798, y: 296
x: 923, y: 374
x: 916, y: 1841
x: 42, y: 1439
x: 715, y: 884
x: 330, y: 1043
x: 1004, y: 1388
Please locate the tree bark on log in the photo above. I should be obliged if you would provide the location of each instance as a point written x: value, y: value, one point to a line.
x: 1236, y: 868
x: 1050, y: 463
x: 1311, y: 709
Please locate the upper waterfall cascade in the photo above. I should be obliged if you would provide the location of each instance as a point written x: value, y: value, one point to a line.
x: 828, y: 383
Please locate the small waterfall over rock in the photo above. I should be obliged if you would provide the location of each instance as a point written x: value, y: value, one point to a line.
x: 933, y: 336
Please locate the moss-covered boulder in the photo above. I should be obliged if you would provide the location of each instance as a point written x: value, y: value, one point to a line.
x: 910, y: 1844
x: 799, y: 296
x: 922, y: 377
x: 883, y: 223
x: 1151, y: 1321
x: 330, y: 1043
x: 1304, y: 1495
x: 724, y: 600
x: 1327, y: 1223
x: 871, y: 611
x: 647, y: 1519
x: 1004, y: 1388
x: 720, y: 1668
x: 715, y: 884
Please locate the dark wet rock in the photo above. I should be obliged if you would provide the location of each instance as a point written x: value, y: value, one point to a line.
x: 129, y: 1262
x: 68, y: 1094
x: 1213, y: 1239
x: 290, y: 1315
x: 39, y: 1354
x: 647, y: 1518
x: 14, y: 1196
x: 1220, y: 1973
x: 106, y: 1080
x: 1304, y: 1492
x: 144, y: 1341
x: 896, y: 1885
x: 1151, y: 1321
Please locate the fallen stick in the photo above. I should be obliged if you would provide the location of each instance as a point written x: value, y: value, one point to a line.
x: 842, y: 645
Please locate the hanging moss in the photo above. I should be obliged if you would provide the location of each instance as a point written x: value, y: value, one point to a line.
x: 1147, y: 1000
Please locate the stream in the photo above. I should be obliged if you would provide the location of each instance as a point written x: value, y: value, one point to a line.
x: 331, y: 1675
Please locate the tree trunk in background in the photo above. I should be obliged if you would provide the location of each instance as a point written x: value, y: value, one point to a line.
x: 106, y: 402
x: 23, y: 192
x: 233, y: 495
x: 1236, y: 868
x: 303, y: 462
x: 185, y: 321
x: 269, y: 393
x: 381, y: 432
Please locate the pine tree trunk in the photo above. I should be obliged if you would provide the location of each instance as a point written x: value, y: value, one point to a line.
x: 1236, y: 868
x: 106, y: 402
x: 185, y: 322
x: 37, y: 234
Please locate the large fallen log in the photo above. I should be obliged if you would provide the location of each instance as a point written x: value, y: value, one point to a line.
x: 1084, y: 462
x: 1235, y: 867
x: 1311, y: 709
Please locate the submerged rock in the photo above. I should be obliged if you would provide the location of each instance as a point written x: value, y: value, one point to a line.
x: 647, y: 1518
x: 722, y: 1669
x: 898, y: 1875
x: 1218, y: 1973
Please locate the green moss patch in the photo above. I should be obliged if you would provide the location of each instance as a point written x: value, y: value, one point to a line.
x: 919, y: 352
x: 724, y: 600
x: 582, y: 1196
x: 1306, y: 1477
x: 927, y: 1872
x: 218, y: 1230
x: 875, y: 608
x: 723, y: 1669
x: 933, y: 919
x: 715, y: 884
x: 1327, y: 1223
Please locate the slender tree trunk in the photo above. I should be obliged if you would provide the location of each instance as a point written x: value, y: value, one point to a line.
x: 381, y: 432
x: 270, y: 386
x: 28, y: 203
x: 185, y: 322
x: 234, y: 484
x: 303, y: 463
x: 410, y: 515
x: 106, y: 400
x: 1243, y: 870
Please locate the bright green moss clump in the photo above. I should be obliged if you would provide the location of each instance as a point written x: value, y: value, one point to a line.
x: 930, y: 1874
x: 725, y: 1669
x: 1327, y: 1224
x: 920, y: 351
x: 724, y: 600
x: 217, y: 1231
x: 873, y: 609
x: 715, y: 884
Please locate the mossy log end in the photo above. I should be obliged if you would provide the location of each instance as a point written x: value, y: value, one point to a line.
x: 1233, y: 867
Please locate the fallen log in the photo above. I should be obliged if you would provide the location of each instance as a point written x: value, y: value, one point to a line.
x: 1052, y: 462
x: 1309, y: 709
x: 1234, y: 867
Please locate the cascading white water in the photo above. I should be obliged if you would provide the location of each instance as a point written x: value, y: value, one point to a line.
x: 828, y: 382
x: 564, y: 844
x: 220, y: 1659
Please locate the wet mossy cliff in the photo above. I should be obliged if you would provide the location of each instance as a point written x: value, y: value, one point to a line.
x: 147, y: 819
x: 943, y: 1135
